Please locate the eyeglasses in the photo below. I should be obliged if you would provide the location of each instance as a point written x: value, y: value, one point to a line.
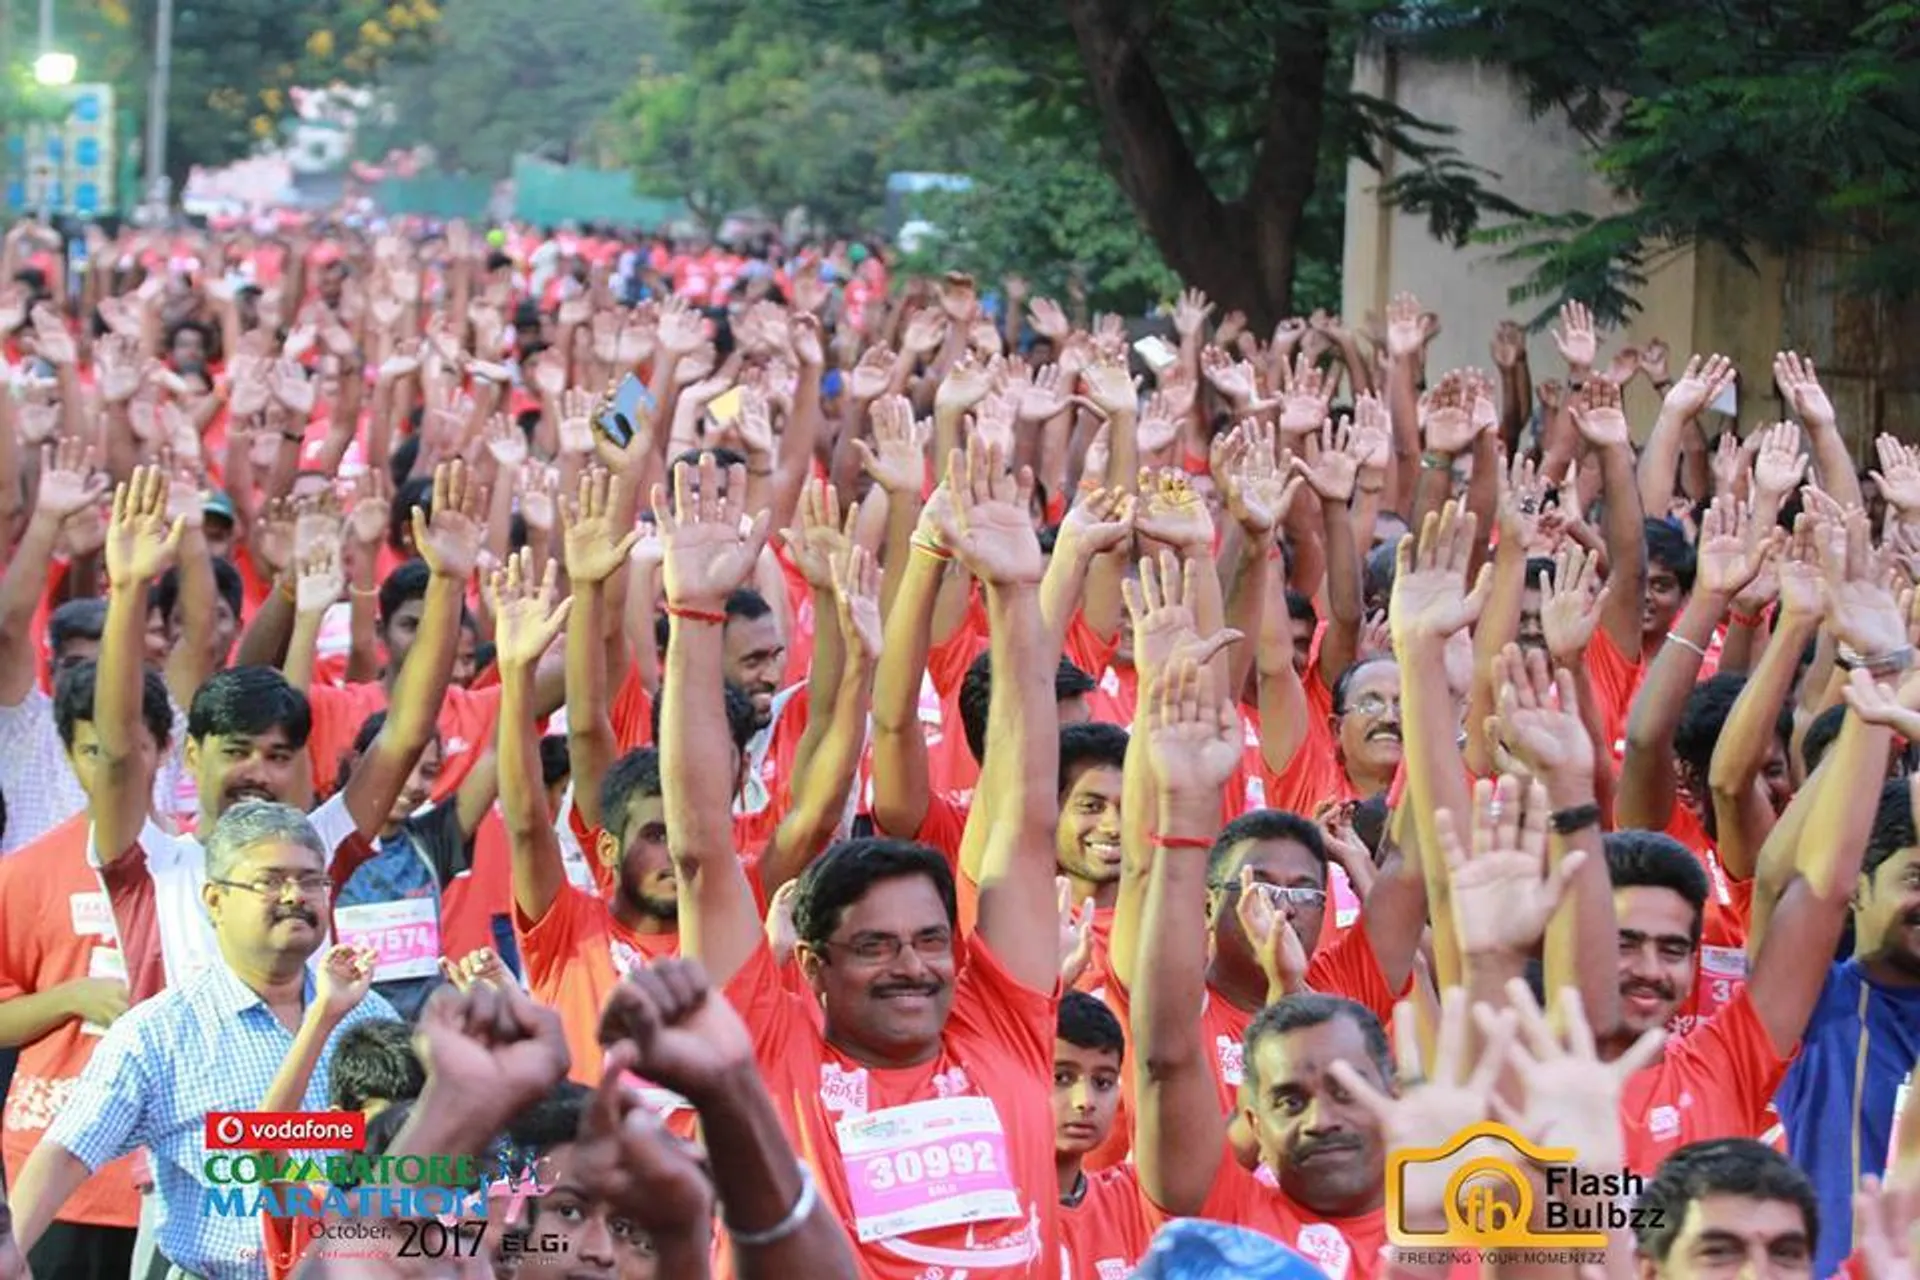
x: 1286, y: 895
x: 275, y: 886
x: 885, y: 948
x: 1373, y: 704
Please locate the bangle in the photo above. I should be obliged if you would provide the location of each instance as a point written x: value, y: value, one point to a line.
x: 1851, y: 659
x: 696, y: 615
x: 1179, y: 842
x: 927, y: 547
x: 760, y: 471
x: 1685, y: 643
x: 795, y: 1219
x: 1578, y: 818
x: 293, y: 437
x: 1752, y: 621
x: 1662, y: 386
x: 366, y: 593
x: 1436, y: 461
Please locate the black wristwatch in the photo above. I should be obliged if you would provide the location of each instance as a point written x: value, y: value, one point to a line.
x: 1581, y: 816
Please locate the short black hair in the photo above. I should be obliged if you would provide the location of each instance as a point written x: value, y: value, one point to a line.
x: 374, y: 1059
x: 976, y: 694
x: 400, y: 461
x: 746, y: 604
x: 1382, y: 563
x: 1262, y: 824
x: 723, y: 458
x: 1344, y: 685
x: 1668, y: 547
x: 1090, y: 745
x: 1086, y: 1022
x: 556, y: 760
x: 1539, y: 570
x: 551, y: 1122
x: 417, y: 492
x: 1893, y: 828
x: 226, y: 581
x: 1719, y: 1167
x: 843, y: 874
x: 1655, y: 860
x: 1314, y: 1009
x: 635, y: 775
x: 1820, y: 735
x: 1704, y: 716
x: 83, y: 619
x: 250, y: 701
x: 1300, y: 607
x: 73, y: 695
x: 404, y: 585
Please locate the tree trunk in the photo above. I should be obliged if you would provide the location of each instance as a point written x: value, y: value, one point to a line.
x: 1241, y: 252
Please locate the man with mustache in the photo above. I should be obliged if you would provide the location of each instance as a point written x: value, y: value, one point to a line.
x: 246, y: 733
x: 208, y: 1043
x: 915, y: 1051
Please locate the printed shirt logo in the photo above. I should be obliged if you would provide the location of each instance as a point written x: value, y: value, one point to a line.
x: 1233, y: 1059
x: 1326, y: 1246
x: 843, y: 1091
x: 1663, y: 1122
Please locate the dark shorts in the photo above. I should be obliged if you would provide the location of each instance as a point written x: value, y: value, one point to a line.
x: 83, y: 1252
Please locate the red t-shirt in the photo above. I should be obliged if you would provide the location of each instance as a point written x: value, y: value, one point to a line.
x: 573, y: 958
x: 950, y: 763
x: 478, y: 896
x: 754, y: 830
x: 56, y: 926
x: 1713, y: 1082
x: 467, y: 720
x: 1107, y: 1233
x: 1344, y: 1248
x: 999, y: 1037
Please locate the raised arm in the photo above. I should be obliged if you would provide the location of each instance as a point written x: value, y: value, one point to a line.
x: 449, y: 542
x: 68, y: 483
x: 1180, y: 1135
x: 140, y: 546
x: 1603, y: 427
x: 709, y: 551
x: 526, y: 620
x: 1800, y: 384
x: 1679, y: 411
x: 596, y: 554
x: 991, y: 531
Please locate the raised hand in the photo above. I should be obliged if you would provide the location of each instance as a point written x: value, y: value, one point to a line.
x: 1276, y: 944
x: 1163, y: 607
x: 626, y: 1158
x: 1503, y: 892
x: 965, y: 385
x: 491, y: 1045
x: 1043, y: 393
x: 682, y: 1034
x: 1898, y: 478
x: 989, y: 525
x: 450, y: 539
x: 823, y: 538
x: 1099, y: 521
x: 897, y: 458
x: 1194, y: 740
x: 856, y: 597
x: 1431, y: 600
x: 506, y: 442
x: 1523, y: 492
x: 992, y: 421
x: 1371, y: 441
x: 1446, y: 421
x: 873, y: 374
x: 1576, y: 339
x: 1190, y: 312
x: 709, y: 546
x: 1861, y: 612
x: 1571, y: 602
x: 1304, y: 405
x: 68, y: 481
x: 1570, y: 1097
x: 1326, y: 462
x: 1509, y: 345
x: 958, y: 297
x: 1109, y: 387
x: 681, y: 329
x: 288, y: 383
x: 1233, y: 379
x: 478, y: 967
x: 595, y: 549
x: 1733, y: 548
x: 140, y: 543
x: 1624, y: 367
x: 52, y: 342
x: 525, y: 617
x: 1159, y: 426
x: 321, y: 580
x: 1048, y: 320
x: 1803, y: 584
x: 1653, y: 361
x: 1406, y: 334
x: 1697, y: 386
x: 1170, y: 510
x: 1800, y: 384
x: 1778, y: 464
x: 345, y: 977
x: 1538, y: 722
x: 638, y: 337
x: 118, y: 362
x: 371, y: 508
x: 576, y: 423
x: 1880, y: 704
x: 1598, y: 415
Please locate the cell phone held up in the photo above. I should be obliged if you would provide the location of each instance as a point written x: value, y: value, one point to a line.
x: 623, y: 414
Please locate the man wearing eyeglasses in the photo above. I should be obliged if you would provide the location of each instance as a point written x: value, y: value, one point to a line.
x: 213, y: 1043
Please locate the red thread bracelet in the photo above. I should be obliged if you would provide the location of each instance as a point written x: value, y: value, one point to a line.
x: 1751, y: 621
x: 1179, y: 842
x: 696, y: 615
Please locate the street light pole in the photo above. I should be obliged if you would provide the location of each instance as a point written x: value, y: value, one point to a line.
x: 46, y: 26
x: 157, y: 103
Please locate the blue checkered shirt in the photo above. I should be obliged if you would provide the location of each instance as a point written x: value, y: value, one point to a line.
x: 211, y: 1044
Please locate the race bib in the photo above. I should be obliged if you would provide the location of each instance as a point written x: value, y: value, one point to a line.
x: 104, y: 962
x: 404, y: 934
x: 92, y: 916
x: 1346, y: 903
x: 927, y: 1165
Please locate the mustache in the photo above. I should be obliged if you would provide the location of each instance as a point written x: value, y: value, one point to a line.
x: 1310, y: 1147
x: 250, y: 791
x: 907, y: 989
x: 1659, y: 990
x: 296, y: 913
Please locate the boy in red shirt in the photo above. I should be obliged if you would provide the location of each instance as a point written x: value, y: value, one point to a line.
x: 1104, y: 1229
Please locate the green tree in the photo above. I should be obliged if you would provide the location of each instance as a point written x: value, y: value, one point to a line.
x: 1766, y: 125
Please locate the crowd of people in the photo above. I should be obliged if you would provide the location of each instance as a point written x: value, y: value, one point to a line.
x: 846, y: 775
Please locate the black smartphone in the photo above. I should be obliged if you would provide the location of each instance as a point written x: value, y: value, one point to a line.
x: 621, y: 417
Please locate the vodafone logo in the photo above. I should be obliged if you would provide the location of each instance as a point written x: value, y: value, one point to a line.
x: 286, y: 1130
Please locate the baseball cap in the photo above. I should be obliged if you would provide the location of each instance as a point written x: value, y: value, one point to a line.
x: 219, y: 504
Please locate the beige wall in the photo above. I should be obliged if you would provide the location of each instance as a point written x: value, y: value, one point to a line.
x: 1697, y: 300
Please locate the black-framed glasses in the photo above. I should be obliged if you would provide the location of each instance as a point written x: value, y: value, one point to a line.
x: 885, y: 948
x: 275, y: 886
x: 1298, y: 897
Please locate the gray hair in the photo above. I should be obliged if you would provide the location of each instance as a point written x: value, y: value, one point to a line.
x: 253, y: 822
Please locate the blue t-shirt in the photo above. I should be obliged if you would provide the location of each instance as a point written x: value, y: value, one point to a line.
x: 1824, y: 1122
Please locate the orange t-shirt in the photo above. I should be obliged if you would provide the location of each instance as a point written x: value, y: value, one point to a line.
x: 997, y: 1045
x: 1108, y: 1232
x: 56, y: 926
x: 573, y: 958
x: 1615, y: 679
x: 755, y: 830
x: 1714, y: 1082
x: 1112, y: 699
x: 1344, y: 1248
x: 950, y: 762
x: 481, y: 894
x: 631, y: 712
x: 467, y: 720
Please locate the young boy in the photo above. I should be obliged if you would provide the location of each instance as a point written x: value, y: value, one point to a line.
x: 1103, y: 1217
